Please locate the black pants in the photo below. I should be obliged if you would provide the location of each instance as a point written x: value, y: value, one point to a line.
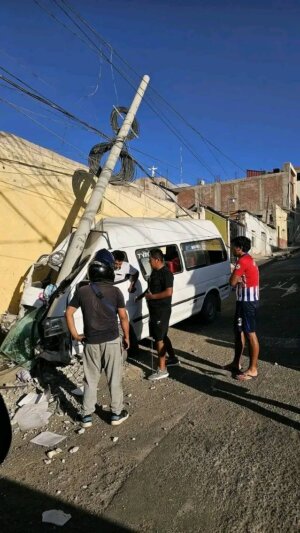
x: 159, y: 323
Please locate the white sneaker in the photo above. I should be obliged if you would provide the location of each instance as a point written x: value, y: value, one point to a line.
x: 159, y: 374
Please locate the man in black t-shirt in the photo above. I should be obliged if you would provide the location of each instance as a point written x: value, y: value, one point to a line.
x: 159, y: 297
x: 101, y: 303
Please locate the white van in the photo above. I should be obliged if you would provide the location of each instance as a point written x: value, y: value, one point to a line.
x: 193, y: 250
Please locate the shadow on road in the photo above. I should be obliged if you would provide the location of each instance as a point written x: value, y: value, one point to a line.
x: 205, y: 381
x: 22, y: 508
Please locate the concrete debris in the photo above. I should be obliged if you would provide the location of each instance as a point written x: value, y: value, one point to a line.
x: 32, y: 416
x: 115, y: 439
x: 47, y: 461
x: 74, y: 449
x: 153, y: 387
x: 84, y: 487
x: 80, y: 431
x: 33, y: 398
x: 56, y: 517
x: 58, y: 492
x: 24, y: 375
x: 53, y: 453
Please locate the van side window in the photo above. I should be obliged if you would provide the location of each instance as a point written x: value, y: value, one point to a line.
x: 199, y: 254
x: 143, y: 260
x: 216, y: 251
x: 171, y: 256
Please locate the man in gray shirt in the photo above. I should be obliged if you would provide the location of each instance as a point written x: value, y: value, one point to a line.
x: 101, y: 303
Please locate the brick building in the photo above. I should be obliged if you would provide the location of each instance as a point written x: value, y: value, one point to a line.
x: 257, y: 194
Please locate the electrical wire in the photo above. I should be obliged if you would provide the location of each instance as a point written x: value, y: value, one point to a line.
x: 163, y: 119
x: 193, y: 128
x: 37, y: 96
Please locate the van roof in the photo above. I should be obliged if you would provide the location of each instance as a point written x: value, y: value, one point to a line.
x: 154, y: 231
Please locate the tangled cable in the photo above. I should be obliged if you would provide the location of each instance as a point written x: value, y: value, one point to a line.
x: 117, y: 113
x: 127, y: 162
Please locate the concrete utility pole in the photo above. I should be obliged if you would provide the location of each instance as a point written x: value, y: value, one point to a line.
x: 79, y: 239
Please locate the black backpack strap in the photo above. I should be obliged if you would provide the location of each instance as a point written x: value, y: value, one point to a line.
x: 99, y: 295
x: 96, y: 290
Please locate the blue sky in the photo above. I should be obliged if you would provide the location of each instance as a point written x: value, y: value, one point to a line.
x: 230, y: 68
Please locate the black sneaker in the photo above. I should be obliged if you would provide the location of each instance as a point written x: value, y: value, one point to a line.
x: 116, y: 420
x: 86, y: 421
x: 173, y: 361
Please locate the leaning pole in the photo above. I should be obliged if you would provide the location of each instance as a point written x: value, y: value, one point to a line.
x: 81, y: 234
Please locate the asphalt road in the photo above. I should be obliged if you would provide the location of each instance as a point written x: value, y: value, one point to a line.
x: 200, y: 451
x: 231, y: 464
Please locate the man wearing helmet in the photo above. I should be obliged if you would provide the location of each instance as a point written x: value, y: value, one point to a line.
x: 101, y: 303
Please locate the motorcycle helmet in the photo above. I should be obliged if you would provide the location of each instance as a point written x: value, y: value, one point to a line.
x: 102, y: 266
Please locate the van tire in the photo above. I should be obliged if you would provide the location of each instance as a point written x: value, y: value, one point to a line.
x: 210, y: 308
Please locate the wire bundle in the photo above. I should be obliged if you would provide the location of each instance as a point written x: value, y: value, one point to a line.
x: 127, y: 163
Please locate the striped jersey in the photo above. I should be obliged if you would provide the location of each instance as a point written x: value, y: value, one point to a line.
x: 248, y: 289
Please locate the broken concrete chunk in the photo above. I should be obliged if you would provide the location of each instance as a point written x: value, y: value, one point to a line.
x: 74, y: 449
x: 115, y: 439
x: 53, y: 453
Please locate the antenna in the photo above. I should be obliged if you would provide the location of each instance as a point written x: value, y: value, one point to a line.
x: 180, y: 153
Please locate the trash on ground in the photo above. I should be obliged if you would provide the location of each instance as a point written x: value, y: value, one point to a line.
x: 19, y: 343
x: 74, y: 449
x: 48, y: 439
x: 115, y: 439
x: 56, y: 517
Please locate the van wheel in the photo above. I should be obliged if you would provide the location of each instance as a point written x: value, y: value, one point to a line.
x: 210, y: 308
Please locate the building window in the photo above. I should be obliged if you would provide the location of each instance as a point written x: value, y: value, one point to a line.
x: 253, y: 238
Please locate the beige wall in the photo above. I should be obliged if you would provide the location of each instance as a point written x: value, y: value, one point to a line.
x: 38, y: 207
x: 280, y: 223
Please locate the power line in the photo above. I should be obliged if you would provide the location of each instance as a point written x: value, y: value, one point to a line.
x: 160, y: 115
x: 204, y: 139
x: 37, y: 96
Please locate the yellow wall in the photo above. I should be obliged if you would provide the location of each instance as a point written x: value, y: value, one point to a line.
x: 38, y: 207
x: 281, y: 223
x: 220, y: 222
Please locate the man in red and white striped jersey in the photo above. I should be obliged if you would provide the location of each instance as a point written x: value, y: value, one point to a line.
x: 245, y: 278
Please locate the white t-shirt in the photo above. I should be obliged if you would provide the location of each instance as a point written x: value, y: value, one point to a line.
x: 125, y: 270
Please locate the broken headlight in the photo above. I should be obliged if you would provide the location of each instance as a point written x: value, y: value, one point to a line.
x: 54, y: 326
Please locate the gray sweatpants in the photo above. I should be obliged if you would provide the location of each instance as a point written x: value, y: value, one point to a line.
x: 106, y: 356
